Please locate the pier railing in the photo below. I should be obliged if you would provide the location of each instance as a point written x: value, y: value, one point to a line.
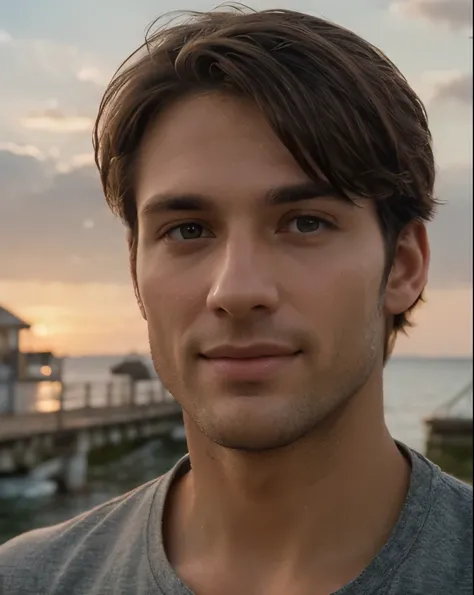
x: 85, y: 405
x: 86, y: 395
x: 57, y: 397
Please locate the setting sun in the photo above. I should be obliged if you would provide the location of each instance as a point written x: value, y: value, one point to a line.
x: 40, y: 330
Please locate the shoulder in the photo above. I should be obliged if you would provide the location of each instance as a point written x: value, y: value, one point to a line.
x: 449, y: 506
x: 440, y: 557
x: 452, y: 502
x: 459, y: 490
x: 32, y: 561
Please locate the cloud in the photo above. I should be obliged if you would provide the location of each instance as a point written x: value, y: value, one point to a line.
x: 75, y: 162
x: 33, y: 70
x: 455, y: 14
x: 23, y: 170
x: 52, y: 58
x: 442, y: 85
x: 54, y: 120
x: 59, y: 227
x: 91, y: 74
x: 22, y: 150
x: 458, y: 88
x: 5, y: 37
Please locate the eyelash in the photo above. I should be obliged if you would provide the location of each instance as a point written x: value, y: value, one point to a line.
x: 320, y: 220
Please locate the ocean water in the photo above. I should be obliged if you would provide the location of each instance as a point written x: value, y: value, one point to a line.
x: 414, y: 388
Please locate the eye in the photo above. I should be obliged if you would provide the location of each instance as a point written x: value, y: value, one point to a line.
x: 306, y: 224
x: 188, y: 231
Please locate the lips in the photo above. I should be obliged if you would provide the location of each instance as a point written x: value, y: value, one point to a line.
x: 250, y: 363
x: 256, y: 350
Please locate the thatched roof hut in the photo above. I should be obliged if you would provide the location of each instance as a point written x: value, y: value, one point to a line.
x: 133, y: 367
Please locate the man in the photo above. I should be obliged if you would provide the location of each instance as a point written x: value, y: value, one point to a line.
x: 275, y: 172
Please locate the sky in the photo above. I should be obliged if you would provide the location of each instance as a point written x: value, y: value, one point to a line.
x: 63, y: 259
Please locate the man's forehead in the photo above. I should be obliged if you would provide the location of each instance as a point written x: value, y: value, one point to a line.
x: 220, y: 178
x: 209, y: 132
x: 213, y: 147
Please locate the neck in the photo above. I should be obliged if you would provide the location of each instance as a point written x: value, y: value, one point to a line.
x: 339, y: 489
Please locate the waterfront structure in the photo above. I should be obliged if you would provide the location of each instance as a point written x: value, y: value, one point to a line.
x: 22, y: 373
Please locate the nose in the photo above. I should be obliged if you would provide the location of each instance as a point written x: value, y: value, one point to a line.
x: 243, y: 282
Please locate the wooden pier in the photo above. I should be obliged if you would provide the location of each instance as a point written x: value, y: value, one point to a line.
x: 67, y: 425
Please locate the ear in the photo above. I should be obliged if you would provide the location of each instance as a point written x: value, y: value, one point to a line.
x: 409, y: 272
x: 132, y: 259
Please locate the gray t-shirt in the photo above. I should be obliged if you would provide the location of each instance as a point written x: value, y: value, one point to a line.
x: 117, y: 548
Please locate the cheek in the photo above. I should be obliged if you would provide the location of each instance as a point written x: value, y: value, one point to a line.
x: 339, y: 295
x: 150, y: 279
x: 156, y: 285
x: 169, y: 293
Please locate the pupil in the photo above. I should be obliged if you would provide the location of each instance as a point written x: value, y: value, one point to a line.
x: 191, y: 231
x: 306, y: 224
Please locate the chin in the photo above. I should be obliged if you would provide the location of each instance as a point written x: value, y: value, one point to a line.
x: 256, y: 422
x: 254, y: 435
x: 250, y: 444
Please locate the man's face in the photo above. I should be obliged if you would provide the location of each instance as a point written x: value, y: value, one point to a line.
x: 262, y: 294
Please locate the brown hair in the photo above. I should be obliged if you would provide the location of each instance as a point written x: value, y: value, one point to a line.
x: 338, y: 103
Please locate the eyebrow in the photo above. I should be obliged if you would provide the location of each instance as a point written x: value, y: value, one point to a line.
x: 162, y: 203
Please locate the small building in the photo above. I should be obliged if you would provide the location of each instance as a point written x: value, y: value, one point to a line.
x: 10, y: 328
x: 21, y: 371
